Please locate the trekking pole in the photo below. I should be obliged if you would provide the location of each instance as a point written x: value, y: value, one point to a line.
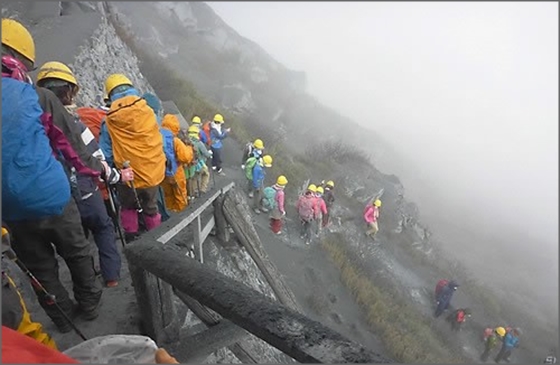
x: 50, y: 298
x: 126, y: 165
x: 115, y: 213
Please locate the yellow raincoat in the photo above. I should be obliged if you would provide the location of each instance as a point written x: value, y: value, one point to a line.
x: 175, y: 189
x: 135, y: 136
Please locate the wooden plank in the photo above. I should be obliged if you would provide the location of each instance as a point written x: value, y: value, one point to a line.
x: 211, y: 318
x: 221, y: 222
x: 239, y: 217
x: 187, y: 220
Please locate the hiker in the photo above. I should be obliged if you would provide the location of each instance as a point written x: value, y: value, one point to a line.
x: 36, y: 200
x: 491, y: 341
x: 133, y: 136
x: 20, y: 349
x: 510, y: 342
x: 328, y: 197
x: 202, y: 174
x: 274, y: 201
x: 168, y: 148
x: 217, y: 134
x: 306, y: 207
x: 196, y: 121
x: 458, y: 318
x: 14, y: 310
x: 175, y: 186
x: 249, y: 165
x: 444, y: 298
x: 251, y: 149
x: 58, y: 78
x: 258, y: 182
x: 371, y: 215
x: 321, y: 210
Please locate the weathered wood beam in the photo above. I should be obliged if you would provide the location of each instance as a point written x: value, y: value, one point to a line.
x: 239, y: 217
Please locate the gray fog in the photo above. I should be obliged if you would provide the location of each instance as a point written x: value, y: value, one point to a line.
x: 466, y: 93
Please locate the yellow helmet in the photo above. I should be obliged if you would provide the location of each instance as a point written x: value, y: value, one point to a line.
x: 56, y: 70
x: 330, y: 183
x: 193, y: 129
x: 218, y: 118
x: 258, y: 144
x: 115, y: 80
x: 377, y: 203
x: 320, y: 190
x: 4, y: 231
x: 267, y: 161
x: 312, y: 188
x: 18, y: 38
x: 500, y: 331
x: 196, y: 119
x: 282, y: 180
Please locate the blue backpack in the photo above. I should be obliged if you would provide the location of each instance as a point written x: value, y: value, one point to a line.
x: 169, y: 149
x: 34, y: 184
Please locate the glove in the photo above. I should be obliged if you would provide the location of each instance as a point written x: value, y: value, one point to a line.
x: 283, y: 213
x: 163, y: 357
x: 242, y: 166
x: 127, y: 174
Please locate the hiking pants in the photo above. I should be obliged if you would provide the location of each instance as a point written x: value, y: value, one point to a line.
x: 486, y: 353
x: 318, y: 224
x: 217, y: 158
x: 148, y: 201
x: 276, y: 225
x: 250, y: 188
x: 257, y: 198
x: 204, y: 179
x: 373, y: 228
x: 95, y: 219
x: 33, y: 247
x: 504, y: 353
x: 307, y: 230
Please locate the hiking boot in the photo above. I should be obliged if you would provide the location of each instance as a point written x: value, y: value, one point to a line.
x: 111, y: 283
x: 279, y: 232
x: 221, y: 173
x: 91, y: 313
x: 129, y: 237
x: 257, y: 210
x: 250, y: 194
x: 264, y: 210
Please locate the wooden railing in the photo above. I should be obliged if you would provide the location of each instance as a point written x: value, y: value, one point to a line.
x: 230, y: 309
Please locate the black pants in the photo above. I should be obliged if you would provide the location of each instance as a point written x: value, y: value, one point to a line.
x: 32, y: 244
x: 503, y: 354
x: 217, y: 158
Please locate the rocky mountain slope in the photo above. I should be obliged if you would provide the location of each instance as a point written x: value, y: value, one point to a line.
x: 238, y: 75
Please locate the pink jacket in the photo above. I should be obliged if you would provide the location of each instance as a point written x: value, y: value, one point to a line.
x: 279, y: 198
x: 371, y: 213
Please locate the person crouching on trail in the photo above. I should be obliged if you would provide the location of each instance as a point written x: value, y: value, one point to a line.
x: 258, y: 182
x: 371, y: 215
x: 202, y: 173
x: 175, y: 187
x: 58, y: 78
x: 491, y: 341
x: 277, y: 211
x: 443, y: 300
x: 306, y: 207
x: 134, y: 137
x: 217, y: 134
x: 251, y: 149
x: 321, y: 210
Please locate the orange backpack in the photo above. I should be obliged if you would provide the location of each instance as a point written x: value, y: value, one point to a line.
x: 92, y: 118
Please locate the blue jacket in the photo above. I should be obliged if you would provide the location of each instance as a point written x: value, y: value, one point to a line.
x: 258, y: 176
x: 217, y: 137
x: 202, y: 136
x: 445, y: 296
x: 105, y: 143
x: 510, y: 341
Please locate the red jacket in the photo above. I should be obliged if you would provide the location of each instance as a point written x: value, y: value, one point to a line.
x: 20, y: 349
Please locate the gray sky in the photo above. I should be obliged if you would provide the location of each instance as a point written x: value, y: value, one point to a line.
x: 467, y: 91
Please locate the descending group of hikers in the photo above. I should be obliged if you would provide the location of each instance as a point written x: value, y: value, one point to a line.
x: 68, y: 171
x: 508, y: 336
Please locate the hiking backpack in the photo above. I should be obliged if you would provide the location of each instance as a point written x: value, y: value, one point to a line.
x: 305, y: 209
x: 207, y: 129
x: 269, y: 198
x: 249, y: 165
x: 92, y: 118
x: 169, y: 149
x: 34, y: 183
x: 440, y: 285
